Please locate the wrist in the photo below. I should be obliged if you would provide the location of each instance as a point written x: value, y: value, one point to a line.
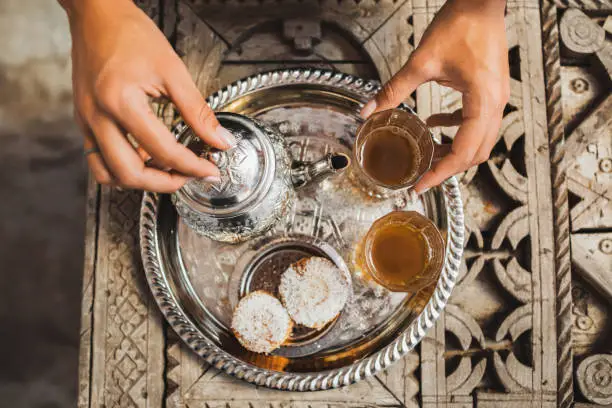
x: 481, y: 6
x: 75, y: 8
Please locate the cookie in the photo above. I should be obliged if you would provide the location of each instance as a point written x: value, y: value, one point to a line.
x: 261, y: 323
x: 314, y: 291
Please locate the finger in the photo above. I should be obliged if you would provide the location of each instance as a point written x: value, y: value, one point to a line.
x: 484, y: 151
x: 465, y: 145
x: 94, y: 160
x: 142, y: 153
x: 152, y: 135
x: 404, y: 82
x: 494, y: 102
x: 144, y: 156
x: 479, y: 106
x: 445, y: 119
x: 98, y: 168
x: 125, y: 164
x: 195, y: 111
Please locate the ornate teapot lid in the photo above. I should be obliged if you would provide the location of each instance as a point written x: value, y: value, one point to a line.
x: 247, y: 170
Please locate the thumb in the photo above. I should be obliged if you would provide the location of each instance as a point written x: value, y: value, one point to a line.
x: 400, y: 86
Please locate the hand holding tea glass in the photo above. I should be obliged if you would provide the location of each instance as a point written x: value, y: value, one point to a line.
x: 464, y: 48
x: 394, y: 149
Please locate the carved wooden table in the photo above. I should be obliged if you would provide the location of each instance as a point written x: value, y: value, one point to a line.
x: 528, y: 322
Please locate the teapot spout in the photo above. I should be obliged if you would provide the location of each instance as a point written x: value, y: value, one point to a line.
x: 332, y: 163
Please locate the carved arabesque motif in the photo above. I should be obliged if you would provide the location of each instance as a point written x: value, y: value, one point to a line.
x: 595, y: 378
x: 587, y: 150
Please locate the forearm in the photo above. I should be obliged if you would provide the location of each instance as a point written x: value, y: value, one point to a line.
x: 74, y: 7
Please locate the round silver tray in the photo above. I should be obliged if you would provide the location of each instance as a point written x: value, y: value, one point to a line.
x: 197, y: 282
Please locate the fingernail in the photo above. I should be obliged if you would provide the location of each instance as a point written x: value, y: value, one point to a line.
x: 368, y: 109
x: 211, y: 179
x: 225, y: 136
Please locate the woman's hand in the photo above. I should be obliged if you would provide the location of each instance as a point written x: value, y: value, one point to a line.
x: 464, y: 48
x: 121, y: 59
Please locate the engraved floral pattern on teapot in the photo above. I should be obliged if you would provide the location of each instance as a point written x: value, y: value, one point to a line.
x: 258, y: 182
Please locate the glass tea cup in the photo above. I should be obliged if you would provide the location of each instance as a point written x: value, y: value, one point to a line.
x: 402, y: 251
x: 394, y: 149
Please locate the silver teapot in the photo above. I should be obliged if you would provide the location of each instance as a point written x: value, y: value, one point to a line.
x: 258, y: 181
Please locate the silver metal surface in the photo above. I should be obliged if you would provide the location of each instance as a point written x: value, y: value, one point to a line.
x: 255, y: 190
x: 331, y: 163
x: 197, y: 281
x: 246, y: 170
x: 258, y: 176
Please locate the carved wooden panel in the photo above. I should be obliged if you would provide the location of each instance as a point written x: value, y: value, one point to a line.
x: 124, y: 335
x: 585, y: 61
x: 528, y: 321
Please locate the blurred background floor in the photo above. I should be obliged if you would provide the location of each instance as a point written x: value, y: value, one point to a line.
x: 42, y: 198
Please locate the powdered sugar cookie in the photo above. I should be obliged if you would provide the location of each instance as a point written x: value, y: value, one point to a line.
x: 261, y: 323
x: 314, y: 291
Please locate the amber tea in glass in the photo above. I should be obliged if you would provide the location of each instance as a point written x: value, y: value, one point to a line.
x: 403, y: 251
x: 394, y: 148
x: 389, y: 156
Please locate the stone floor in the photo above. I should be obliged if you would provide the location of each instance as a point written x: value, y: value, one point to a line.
x: 42, y: 191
